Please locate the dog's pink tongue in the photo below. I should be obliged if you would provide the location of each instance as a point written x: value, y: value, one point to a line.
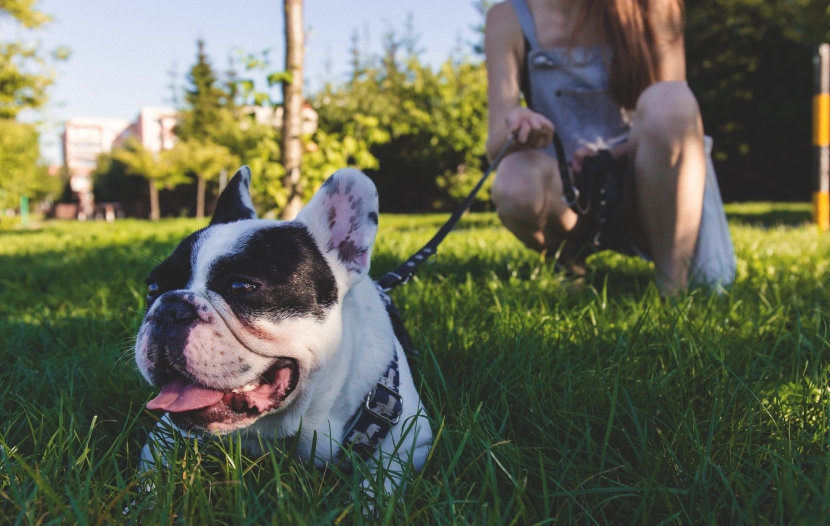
x: 183, y: 395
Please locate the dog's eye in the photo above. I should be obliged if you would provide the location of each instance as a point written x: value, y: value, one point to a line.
x: 239, y: 288
x: 152, y: 289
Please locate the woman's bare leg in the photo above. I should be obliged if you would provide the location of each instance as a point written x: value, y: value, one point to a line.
x: 663, y: 212
x: 528, y: 197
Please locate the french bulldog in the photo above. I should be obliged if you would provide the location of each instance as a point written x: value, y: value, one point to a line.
x: 274, y: 330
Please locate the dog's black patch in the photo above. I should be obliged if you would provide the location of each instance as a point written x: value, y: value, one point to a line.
x: 331, y: 185
x: 173, y: 319
x: 291, y: 275
x: 174, y: 272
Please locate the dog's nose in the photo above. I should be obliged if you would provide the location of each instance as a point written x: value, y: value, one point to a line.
x: 177, y: 312
x: 173, y: 321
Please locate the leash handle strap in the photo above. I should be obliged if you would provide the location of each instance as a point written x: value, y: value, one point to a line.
x: 406, y: 270
x: 570, y: 193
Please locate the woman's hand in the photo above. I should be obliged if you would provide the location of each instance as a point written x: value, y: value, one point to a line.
x: 579, y: 157
x: 617, y: 152
x: 532, y: 130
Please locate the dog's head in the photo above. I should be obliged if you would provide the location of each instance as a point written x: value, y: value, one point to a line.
x: 244, y: 311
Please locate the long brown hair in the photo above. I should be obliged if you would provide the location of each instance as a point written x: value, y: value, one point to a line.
x: 628, y: 25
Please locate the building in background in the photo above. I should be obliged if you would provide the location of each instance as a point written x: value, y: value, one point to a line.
x: 153, y: 128
x: 84, y: 139
x: 273, y: 116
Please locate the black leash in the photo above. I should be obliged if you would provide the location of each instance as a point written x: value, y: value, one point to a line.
x: 383, y: 405
x: 594, y: 173
x: 407, y: 269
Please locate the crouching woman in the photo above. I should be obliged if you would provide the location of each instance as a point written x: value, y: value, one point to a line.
x: 605, y: 74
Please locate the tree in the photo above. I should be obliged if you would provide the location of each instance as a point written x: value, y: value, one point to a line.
x: 22, y: 171
x: 426, y: 128
x: 206, y: 103
x: 749, y: 64
x: 292, y: 102
x: 24, y: 77
x: 206, y: 122
x: 206, y: 159
x: 325, y: 151
x: 24, y: 80
x: 228, y: 114
x: 157, y: 168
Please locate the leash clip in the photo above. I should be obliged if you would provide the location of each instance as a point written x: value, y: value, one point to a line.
x: 393, y: 394
x: 573, y: 201
x: 398, y: 280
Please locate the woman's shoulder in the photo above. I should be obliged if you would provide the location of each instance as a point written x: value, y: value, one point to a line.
x: 502, y: 23
x: 501, y: 9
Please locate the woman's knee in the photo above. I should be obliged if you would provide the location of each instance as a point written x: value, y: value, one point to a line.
x: 519, y: 187
x: 668, y: 110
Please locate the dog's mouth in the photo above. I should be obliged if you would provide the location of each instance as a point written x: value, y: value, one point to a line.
x: 182, y: 395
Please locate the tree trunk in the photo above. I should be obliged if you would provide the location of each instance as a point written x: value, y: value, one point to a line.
x: 155, y: 213
x: 292, y: 104
x: 200, y: 196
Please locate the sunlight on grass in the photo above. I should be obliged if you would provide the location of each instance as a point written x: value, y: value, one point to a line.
x: 591, y: 401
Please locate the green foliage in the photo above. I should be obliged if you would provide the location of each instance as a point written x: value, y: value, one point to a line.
x: 749, y: 63
x: 207, y: 112
x: 24, y: 79
x: 158, y: 167
x: 461, y: 124
x: 24, y: 75
x: 20, y: 89
x: 259, y: 147
x: 24, y: 12
x: 593, y: 401
x: 205, y: 158
x: 221, y: 119
x: 21, y: 169
x: 112, y: 183
x: 426, y: 128
x: 419, y: 132
x: 327, y: 150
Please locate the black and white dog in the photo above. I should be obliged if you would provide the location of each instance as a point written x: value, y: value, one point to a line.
x: 273, y: 329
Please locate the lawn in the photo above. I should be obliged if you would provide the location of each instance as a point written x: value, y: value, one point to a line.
x: 589, y: 402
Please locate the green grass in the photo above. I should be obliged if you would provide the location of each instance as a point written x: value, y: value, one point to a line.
x: 590, y: 402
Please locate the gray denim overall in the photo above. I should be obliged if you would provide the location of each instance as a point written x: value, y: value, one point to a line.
x: 571, y: 87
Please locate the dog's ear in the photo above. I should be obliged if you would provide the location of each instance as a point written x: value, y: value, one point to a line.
x: 342, y: 217
x: 235, y: 202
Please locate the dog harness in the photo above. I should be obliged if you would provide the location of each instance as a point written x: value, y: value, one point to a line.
x: 380, y: 410
x: 383, y: 405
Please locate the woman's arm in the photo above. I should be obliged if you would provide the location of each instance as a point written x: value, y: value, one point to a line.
x: 504, y: 49
x: 667, y: 20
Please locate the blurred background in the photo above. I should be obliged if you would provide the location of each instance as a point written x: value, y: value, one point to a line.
x: 144, y: 109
